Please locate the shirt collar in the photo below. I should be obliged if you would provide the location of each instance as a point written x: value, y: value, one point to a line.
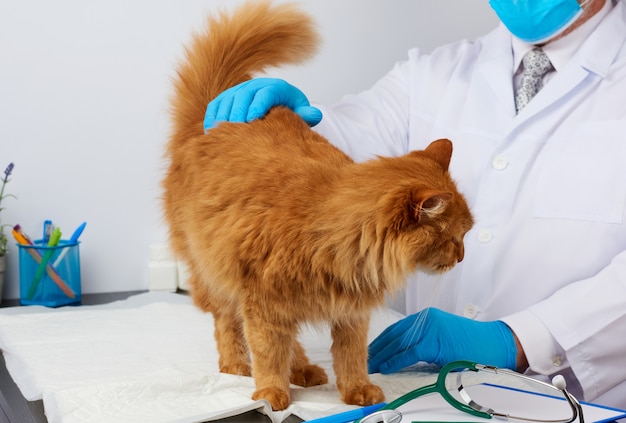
x: 560, y: 51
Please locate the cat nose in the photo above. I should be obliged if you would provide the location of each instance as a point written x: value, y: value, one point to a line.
x: 460, y: 251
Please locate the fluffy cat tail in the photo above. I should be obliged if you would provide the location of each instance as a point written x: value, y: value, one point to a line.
x: 231, y: 49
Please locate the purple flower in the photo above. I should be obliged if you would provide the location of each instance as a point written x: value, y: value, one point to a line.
x: 7, y: 172
x: 4, y: 180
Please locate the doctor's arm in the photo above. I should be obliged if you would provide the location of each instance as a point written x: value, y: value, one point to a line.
x: 374, y: 122
x: 580, y: 329
x: 577, y: 331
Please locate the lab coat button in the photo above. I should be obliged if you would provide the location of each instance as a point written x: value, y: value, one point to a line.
x: 470, y: 311
x: 557, y: 361
x: 484, y: 236
x: 499, y: 162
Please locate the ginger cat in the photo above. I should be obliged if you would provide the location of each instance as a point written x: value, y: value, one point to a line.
x: 279, y: 227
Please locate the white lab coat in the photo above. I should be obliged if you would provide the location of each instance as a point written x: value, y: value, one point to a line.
x: 547, y: 187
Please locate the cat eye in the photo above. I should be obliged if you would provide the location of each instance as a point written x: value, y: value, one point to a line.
x: 466, y: 386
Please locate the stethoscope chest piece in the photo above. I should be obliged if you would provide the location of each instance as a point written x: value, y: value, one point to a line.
x: 383, y: 416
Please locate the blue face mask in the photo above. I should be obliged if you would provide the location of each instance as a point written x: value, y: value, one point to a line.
x: 536, y: 21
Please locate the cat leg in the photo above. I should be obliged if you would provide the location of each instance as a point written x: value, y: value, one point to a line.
x: 271, y: 343
x: 231, y: 344
x: 304, y: 373
x: 349, y: 352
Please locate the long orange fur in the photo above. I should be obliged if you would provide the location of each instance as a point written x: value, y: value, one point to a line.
x: 278, y: 227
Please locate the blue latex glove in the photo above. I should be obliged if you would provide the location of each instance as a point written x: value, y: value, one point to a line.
x: 254, y: 98
x: 435, y: 336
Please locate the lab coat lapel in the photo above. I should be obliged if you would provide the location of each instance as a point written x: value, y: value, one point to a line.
x: 562, y: 83
x: 595, y: 57
x: 496, y: 68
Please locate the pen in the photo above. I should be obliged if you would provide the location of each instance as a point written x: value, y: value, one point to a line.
x: 73, y: 240
x: 47, y: 231
x: 53, y: 242
x: 77, y: 232
x: 20, y: 236
x: 22, y: 239
x: 349, y: 416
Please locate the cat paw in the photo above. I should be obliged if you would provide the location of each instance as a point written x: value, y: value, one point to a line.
x: 364, y: 395
x: 278, y: 399
x: 309, y: 375
x: 239, y: 369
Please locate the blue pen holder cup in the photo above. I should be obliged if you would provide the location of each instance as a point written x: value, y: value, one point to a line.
x: 50, y: 276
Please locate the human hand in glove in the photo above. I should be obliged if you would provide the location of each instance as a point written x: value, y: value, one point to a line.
x: 435, y: 336
x: 254, y: 98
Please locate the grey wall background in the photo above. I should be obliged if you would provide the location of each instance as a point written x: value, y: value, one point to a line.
x: 83, y: 106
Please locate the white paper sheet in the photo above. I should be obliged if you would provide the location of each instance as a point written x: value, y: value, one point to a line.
x: 151, y: 358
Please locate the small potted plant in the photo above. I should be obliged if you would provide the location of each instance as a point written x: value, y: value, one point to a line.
x: 3, y: 238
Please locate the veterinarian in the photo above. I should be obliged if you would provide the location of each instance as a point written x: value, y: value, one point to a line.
x: 536, y: 110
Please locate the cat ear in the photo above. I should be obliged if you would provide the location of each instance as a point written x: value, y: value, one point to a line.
x: 413, y: 205
x: 441, y: 151
x: 430, y: 203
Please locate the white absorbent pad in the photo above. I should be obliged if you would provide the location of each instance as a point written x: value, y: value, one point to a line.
x: 153, y: 358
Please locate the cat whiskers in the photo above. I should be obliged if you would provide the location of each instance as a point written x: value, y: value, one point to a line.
x: 445, y: 267
x: 414, y: 332
x: 418, y: 325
